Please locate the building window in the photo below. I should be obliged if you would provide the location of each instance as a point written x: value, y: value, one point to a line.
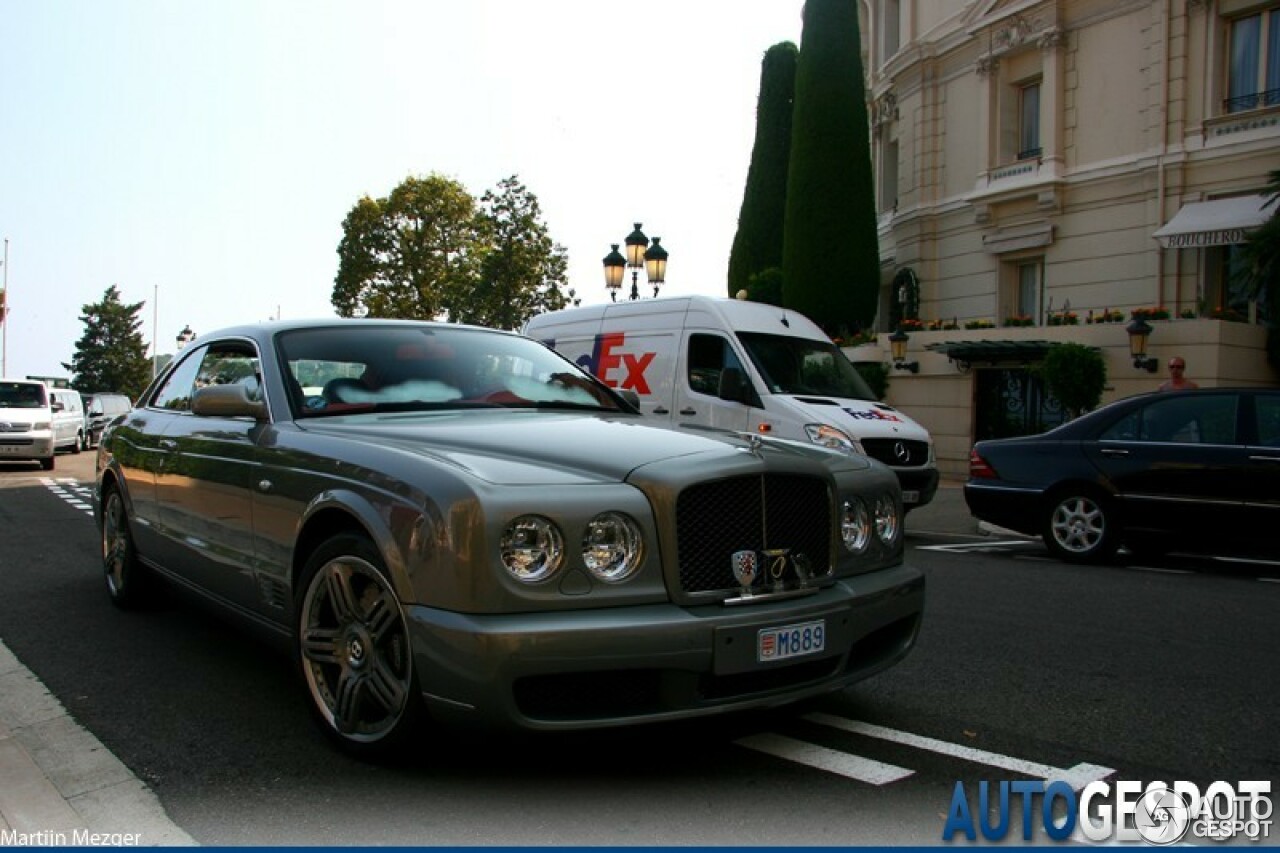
x: 1026, y: 288
x: 1029, y: 120
x: 889, y: 176
x: 889, y: 30
x: 1253, y: 77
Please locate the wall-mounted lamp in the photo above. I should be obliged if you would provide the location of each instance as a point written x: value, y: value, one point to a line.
x: 1139, y: 330
x: 898, y: 346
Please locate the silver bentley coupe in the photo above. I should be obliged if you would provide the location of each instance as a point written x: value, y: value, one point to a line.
x: 450, y: 522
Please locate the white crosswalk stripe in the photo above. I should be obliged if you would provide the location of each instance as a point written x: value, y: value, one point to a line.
x: 875, y: 772
x: 71, y: 490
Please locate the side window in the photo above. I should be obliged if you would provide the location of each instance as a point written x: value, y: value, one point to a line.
x: 709, y: 355
x: 1267, y: 407
x: 217, y: 364
x: 1207, y: 419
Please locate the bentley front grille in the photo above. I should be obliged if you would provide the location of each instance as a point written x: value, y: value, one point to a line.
x: 715, y: 520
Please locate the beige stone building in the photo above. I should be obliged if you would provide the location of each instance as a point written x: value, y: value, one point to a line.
x: 1054, y: 163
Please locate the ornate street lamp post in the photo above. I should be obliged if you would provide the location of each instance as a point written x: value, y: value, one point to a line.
x: 640, y: 253
x: 185, y: 337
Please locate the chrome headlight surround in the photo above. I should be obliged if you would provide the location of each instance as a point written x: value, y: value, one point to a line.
x: 855, y: 525
x: 888, y: 522
x: 531, y: 548
x: 612, y: 547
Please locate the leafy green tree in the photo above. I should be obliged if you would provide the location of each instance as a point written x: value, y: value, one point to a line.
x: 757, y: 245
x: 409, y: 255
x: 522, y: 271
x: 1076, y: 375
x: 1261, y: 268
x: 111, y: 355
x: 831, y: 255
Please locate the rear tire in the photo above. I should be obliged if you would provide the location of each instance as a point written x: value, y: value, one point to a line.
x: 1080, y: 526
x: 129, y: 585
x: 352, y: 647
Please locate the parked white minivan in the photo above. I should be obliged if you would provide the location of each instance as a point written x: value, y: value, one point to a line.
x: 68, y: 419
x: 26, y: 422
x: 743, y: 366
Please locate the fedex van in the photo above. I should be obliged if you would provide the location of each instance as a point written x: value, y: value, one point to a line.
x: 743, y: 366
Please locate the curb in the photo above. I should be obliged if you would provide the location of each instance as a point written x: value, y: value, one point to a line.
x: 62, y: 787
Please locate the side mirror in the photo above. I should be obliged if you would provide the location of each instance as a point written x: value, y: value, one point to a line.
x: 733, y: 386
x: 56, y: 406
x: 227, y: 401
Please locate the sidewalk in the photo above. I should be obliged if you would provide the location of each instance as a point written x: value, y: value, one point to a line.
x: 59, y: 786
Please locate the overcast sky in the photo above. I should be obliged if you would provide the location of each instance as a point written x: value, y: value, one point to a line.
x: 202, y: 155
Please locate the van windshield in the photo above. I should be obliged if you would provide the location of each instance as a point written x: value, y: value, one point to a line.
x: 800, y: 366
x: 22, y: 395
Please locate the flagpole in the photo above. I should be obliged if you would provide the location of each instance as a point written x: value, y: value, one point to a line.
x: 4, y: 314
x: 155, y: 327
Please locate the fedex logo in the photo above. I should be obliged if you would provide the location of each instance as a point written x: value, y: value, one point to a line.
x: 872, y: 415
x: 612, y: 367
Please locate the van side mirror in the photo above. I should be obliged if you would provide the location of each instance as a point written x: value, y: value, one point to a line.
x: 56, y: 406
x: 733, y: 386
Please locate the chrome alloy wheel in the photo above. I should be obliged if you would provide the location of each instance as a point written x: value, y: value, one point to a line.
x: 1078, y: 525
x: 355, y: 649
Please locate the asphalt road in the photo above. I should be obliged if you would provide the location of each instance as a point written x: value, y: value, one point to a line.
x: 1121, y: 672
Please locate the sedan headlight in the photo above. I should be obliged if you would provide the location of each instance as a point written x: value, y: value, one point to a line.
x: 830, y: 437
x: 855, y: 525
x: 532, y: 548
x: 888, y: 522
x: 611, y: 547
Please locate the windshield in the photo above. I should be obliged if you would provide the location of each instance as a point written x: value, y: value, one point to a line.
x: 800, y: 366
x: 356, y: 369
x: 22, y: 395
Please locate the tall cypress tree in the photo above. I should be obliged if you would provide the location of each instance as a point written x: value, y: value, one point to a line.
x: 831, y: 254
x: 757, y: 246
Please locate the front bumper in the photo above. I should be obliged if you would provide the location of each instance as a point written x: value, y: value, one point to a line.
x: 13, y: 448
x: 616, y: 666
x: 923, y: 481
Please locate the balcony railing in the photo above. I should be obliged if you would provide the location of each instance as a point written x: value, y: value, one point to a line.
x: 1030, y: 154
x: 1256, y: 101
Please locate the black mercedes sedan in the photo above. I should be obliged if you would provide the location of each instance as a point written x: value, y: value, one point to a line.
x: 1172, y: 471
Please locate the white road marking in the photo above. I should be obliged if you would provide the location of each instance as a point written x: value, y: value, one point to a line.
x: 78, y: 497
x: 959, y: 547
x: 1077, y: 777
x: 832, y: 760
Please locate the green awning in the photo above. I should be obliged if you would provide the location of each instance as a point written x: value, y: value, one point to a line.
x: 970, y: 353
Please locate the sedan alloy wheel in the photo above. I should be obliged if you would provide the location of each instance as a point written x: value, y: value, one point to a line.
x: 354, y: 648
x: 1079, y: 528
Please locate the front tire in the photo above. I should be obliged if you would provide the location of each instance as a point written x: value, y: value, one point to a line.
x: 1080, y: 527
x: 128, y: 583
x: 47, y: 463
x: 352, y: 645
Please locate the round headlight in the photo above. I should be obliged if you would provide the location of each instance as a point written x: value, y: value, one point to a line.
x: 855, y: 525
x: 611, y: 547
x: 887, y: 521
x: 532, y: 548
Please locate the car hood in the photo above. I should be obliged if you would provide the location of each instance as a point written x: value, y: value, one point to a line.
x: 532, y: 448
x: 860, y: 418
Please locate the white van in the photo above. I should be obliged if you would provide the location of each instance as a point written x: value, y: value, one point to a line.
x: 68, y: 419
x: 744, y: 366
x: 26, y: 422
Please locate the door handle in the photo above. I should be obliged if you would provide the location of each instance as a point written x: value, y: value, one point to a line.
x: 1275, y: 459
x: 1114, y: 451
x: 687, y: 411
x: 661, y: 410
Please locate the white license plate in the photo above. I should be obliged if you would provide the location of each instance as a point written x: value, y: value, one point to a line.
x: 911, y: 497
x: 791, y: 641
